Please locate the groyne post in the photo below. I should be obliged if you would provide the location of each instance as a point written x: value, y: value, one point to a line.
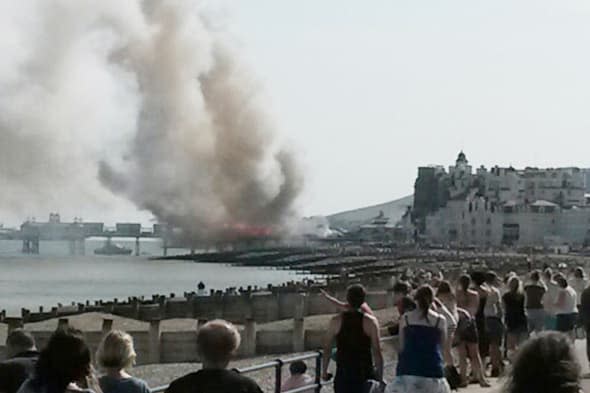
x: 14, y: 323
x: 249, y: 329
x: 62, y: 323
x: 154, y: 342
x: 299, y: 324
x: 135, y: 303
x: 389, y: 298
x: 218, y: 310
x: 107, y: 326
x: 250, y: 337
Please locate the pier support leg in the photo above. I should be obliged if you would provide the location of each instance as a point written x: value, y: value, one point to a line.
x: 137, y: 246
x: 26, y: 246
x: 35, y: 247
x: 389, y: 298
x: 165, y: 247
x: 81, y: 247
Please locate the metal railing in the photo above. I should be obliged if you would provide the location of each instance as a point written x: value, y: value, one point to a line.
x: 278, y: 369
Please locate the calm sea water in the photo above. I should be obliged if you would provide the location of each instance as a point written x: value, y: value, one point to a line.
x: 55, y: 276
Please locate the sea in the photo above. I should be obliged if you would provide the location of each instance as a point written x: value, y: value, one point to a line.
x: 54, y: 276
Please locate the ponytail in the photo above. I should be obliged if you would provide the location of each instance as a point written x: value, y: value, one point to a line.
x: 424, y: 297
x: 464, y: 282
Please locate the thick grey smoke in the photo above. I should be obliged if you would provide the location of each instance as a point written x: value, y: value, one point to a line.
x: 147, y: 95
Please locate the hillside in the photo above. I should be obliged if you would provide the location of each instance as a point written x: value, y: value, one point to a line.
x: 351, y: 219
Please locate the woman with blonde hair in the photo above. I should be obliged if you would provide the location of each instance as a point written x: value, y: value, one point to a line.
x: 116, y: 356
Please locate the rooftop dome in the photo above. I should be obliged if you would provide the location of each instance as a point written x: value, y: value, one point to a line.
x: 461, y: 158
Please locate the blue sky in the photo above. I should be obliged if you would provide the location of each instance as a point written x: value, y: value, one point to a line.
x: 367, y: 91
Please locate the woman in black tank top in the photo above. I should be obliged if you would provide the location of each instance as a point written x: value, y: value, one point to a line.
x: 353, y: 356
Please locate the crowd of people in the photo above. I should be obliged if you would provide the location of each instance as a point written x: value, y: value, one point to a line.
x: 452, y: 335
x: 448, y: 337
x: 65, y: 364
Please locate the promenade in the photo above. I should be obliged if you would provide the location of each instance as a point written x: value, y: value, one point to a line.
x: 497, y: 383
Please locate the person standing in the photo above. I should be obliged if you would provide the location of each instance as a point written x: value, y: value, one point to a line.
x: 584, y: 311
x: 566, y: 310
x: 549, y: 299
x: 482, y: 290
x: 299, y: 377
x: 514, y: 315
x: 534, y: 292
x: 63, y: 364
x: 358, y: 349
x: 579, y: 283
x: 22, y: 356
x: 116, y: 355
x: 403, y: 303
x: 344, y: 305
x: 466, y: 334
x: 422, y: 337
x: 445, y: 303
x: 217, y: 343
x: 493, y: 321
x: 546, y: 363
x: 467, y: 298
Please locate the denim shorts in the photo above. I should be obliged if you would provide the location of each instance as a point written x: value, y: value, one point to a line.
x: 566, y: 322
x: 536, y: 318
x: 550, y: 322
x: 494, y: 330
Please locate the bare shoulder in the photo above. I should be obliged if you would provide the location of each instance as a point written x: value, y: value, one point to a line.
x: 334, y: 325
x: 370, y: 319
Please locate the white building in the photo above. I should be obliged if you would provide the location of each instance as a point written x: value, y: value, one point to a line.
x: 511, y: 207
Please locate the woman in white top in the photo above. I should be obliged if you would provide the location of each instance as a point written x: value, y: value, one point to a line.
x: 549, y: 299
x: 579, y: 282
x: 566, y: 310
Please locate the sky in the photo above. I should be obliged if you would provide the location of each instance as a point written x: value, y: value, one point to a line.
x: 368, y: 91
x: 365, y: 92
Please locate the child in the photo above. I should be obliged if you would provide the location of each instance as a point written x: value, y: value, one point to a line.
x: 298, y: 377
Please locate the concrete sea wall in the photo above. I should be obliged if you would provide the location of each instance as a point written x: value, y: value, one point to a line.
x: 247, y: 311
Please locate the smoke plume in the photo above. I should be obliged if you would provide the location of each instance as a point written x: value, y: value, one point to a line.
x: 141, y: 99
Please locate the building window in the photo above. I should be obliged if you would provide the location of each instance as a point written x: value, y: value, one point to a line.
x: 489, y: 221
x: 473, y: 221
x: 488, y: 233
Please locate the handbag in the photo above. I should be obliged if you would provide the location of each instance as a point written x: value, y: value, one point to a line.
x: 452, y: 376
